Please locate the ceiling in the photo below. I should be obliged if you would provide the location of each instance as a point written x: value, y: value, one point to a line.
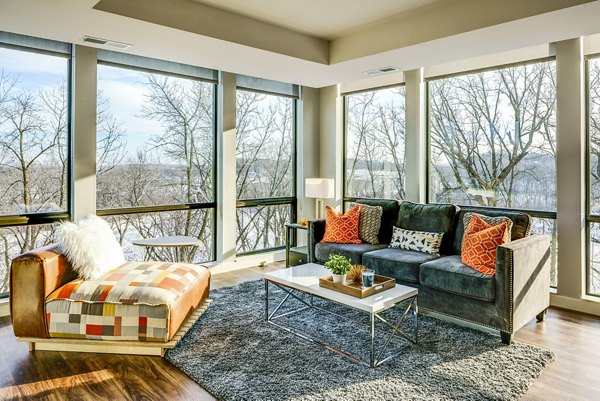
x: 309, y: 42
x: 325, y: 19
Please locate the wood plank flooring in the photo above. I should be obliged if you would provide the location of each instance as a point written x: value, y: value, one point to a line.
x: 574, y: 375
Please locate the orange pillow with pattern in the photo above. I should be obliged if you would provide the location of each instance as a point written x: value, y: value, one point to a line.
x: 480, y: 243
x: 342, y: 228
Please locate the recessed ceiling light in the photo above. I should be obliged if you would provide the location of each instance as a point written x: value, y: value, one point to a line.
x: 106, y: 42
x: 379, y: 71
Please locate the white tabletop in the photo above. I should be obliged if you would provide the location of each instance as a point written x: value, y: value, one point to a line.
x: 306, y: 278
x: 170, y: 241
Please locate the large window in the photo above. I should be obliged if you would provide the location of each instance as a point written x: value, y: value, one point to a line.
x: 156, y: 156
x: 34, y: 150
x: 593, y: 65
x: 374, y: 142
x: 493, y: 142
x: 265, y: 164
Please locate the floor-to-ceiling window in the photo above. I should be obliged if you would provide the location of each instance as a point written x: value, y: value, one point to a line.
x: 34, y: 144
x: 374, y: 162
x: 492, y: 141
x: 593, y: 231
x: 156, y: 152
x: 265, y: 166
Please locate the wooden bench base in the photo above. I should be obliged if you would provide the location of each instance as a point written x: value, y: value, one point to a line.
x: 113, y: 346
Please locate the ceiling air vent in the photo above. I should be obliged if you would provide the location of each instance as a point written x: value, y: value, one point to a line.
x: 379, y: 71
x: 106, y: 42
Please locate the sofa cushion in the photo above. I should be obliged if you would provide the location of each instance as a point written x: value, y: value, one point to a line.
x: 145, y: 301
x: 420, y: 241
x: 342, y: 228
x: 369, y: 223
x: 521, y: 224
x: 480, y: 243
x: 389, y: 216
x: 401, y: 264
x: 449, y: 274
x: 352, y: 251
x: 433, y: 218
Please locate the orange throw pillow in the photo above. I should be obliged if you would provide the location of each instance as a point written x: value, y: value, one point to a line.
x: 342, y: 228
x: 480, y: 243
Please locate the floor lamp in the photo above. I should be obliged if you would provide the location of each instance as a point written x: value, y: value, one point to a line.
x: 319, y: 189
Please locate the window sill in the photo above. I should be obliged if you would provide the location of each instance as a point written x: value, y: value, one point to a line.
x: 4, y: 307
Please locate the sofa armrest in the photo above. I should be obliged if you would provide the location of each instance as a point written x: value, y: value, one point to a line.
x: 316, y: 231
x: 33, y: 276
x: 523, y: 279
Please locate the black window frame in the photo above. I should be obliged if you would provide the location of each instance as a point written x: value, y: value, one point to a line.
x: 49, y: 48
x: 589, y: 217
x: 279, y: 200
x: 541, y: 214
x: 183, y: 206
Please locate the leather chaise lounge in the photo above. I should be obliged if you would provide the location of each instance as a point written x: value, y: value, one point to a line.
x: 137, y: 308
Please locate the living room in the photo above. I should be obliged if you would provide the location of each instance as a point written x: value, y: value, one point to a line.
x: 221, y: 141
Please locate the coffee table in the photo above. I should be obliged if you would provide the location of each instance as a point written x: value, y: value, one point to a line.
x: 305, y: 279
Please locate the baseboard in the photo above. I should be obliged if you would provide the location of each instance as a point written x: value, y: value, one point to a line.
x: 579, y: 305
x: 4, y: 307
x: 243, y: 262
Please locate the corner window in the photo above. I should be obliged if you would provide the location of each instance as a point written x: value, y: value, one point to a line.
x: 492, y: 142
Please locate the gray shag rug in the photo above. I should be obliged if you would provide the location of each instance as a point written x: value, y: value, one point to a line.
x: 235, y: 355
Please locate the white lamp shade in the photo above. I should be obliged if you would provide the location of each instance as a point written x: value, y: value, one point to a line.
x: 320, y: 188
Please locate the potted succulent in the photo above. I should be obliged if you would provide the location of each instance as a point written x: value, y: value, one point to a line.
x: 339, y: 266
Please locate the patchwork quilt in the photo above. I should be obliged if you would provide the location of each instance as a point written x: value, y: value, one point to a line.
x: 132, y: 302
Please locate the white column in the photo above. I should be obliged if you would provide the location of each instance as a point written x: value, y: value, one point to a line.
x: 415, y: 136
x: 570, y: 156
x: 307, y: 148
x: 331, y: 141
x: 226, y: 158
x: 83, y: 121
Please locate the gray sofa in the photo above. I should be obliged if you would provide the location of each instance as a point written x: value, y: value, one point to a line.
x: 506, y: 301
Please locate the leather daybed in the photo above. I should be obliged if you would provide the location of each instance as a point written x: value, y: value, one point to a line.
x: 138, y: 308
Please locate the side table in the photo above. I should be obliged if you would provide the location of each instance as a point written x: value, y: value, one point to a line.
x: 294, y: 255
x: 176, y: 241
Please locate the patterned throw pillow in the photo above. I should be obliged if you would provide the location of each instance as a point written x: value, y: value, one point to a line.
x: 480, y: 244
x: 342, y: 228
x: 369, y: 222
x: 492, y: 221
x: 421, y: 241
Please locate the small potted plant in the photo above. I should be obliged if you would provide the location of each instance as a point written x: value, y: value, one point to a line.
x: 339, y: 266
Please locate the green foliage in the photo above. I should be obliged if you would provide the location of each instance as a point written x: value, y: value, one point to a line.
x: 338, y: 264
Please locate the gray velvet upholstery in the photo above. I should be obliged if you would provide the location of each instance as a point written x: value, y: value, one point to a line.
x: 401, y: 264
x: 521, y: 224
x: 316, y: 231
x: 449, y: 274
x: 388, y: 217
x: 506, y: 301
x: 353, y: 251
x: 435, y: 218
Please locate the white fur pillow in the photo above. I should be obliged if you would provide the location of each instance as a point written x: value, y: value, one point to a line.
x: 90, y: 246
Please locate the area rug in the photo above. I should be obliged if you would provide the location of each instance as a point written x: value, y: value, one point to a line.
x: 235, y: 355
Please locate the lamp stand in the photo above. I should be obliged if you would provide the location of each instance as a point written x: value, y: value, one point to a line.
x: 318, y: 208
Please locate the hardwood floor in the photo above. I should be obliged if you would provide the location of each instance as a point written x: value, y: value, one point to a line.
x: 574, y: 375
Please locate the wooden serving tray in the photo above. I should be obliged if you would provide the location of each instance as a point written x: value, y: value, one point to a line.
x: 380, y: 283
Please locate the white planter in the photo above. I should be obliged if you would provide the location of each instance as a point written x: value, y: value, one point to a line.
x: 339, y: 278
